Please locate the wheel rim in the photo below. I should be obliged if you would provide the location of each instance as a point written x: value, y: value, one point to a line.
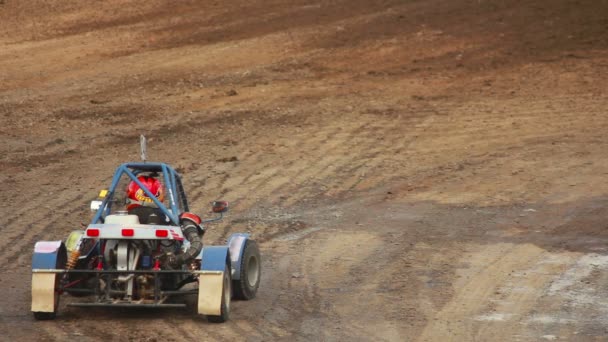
x: 253, y: 271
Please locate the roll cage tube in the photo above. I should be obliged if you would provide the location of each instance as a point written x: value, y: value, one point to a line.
x: 172, y: 181
x: 181, y: 194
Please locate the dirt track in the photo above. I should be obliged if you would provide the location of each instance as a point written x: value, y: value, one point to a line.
x: 412, y: 170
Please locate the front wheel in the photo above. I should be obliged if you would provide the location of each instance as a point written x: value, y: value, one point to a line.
x: 226, y: 295
x: 246, y: 287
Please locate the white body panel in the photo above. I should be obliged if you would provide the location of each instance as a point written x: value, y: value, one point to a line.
x: 122, y: 219
x: 46, y: 246
x: 140, y: 231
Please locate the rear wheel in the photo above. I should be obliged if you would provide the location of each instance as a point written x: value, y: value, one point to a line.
x: 246, y: 287
x: 45, y: 316
x: 226, y: 295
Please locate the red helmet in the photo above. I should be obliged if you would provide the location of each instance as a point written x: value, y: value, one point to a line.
x: 136, y: 196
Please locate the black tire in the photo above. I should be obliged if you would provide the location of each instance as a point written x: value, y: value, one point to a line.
x: 45, y: 316
x: 246, y: 287
x: 226, y: 296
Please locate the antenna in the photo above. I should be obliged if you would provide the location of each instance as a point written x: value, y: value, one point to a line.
x: 143, y: 149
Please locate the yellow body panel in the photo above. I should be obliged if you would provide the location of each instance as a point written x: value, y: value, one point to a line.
x: 43, y: 292
x: 210, y: 287
x: 72, y: 241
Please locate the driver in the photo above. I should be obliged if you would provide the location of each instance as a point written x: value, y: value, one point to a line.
x: 138, y: 203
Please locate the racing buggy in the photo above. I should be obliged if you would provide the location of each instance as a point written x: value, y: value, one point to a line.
x: 149, y: 255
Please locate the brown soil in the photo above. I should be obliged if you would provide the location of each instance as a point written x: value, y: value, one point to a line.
x: 413, y: 170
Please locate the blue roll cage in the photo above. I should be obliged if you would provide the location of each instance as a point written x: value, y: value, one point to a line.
x: 171, y: 178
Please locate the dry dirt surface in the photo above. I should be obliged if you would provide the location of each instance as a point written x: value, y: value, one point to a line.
x: 412, y: 170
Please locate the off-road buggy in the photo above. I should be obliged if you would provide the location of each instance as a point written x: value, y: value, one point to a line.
x: 126, y: 259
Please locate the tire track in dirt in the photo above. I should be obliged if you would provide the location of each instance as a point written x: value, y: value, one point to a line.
x: 458, y: 123
x: 311, y: 301
x: 472, y: 121
x: 36, y: 205
x: 22, y: 209
x: 363, y: 168
x: 268, y: 313
x: 379, y: 149
x: 293, y: 290
x: 281, y: 178
x: 253, y: 159
x: 513, y: 303
x: 215, y: 186
x: 474, y: 295
x: 329, y: 157
x: 28, y: 237
x: 337, y: 150
x: 53, y: 331
x: 293, y: 169
x: 247, y: 178
x: 324, y: 288
x: 463, y: 132
x: 261, y: 184
x: 29, y: 232
x: 192, y: 327
x: 281, y: 174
